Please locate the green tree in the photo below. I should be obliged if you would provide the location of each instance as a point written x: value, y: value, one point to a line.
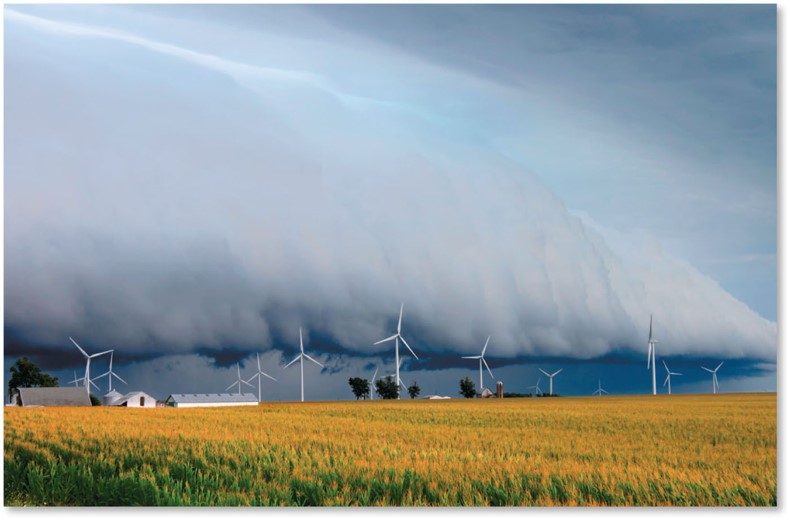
x: 95, y: 400
x: 360, y: 387
x: 25, y: 373
x: 414, y: 390
x: 386, y: 388
x: 468, y: 388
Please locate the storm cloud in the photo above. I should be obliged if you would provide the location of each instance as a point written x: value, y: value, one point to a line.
x: 173, y: 199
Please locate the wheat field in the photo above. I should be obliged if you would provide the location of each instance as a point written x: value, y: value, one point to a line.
x: 635, y: 450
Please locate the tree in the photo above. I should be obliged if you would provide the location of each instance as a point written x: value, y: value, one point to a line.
x: 468, y: 388
x: 414, y: 390
x: 386, y: 388
x: 95, y: 400
x: 360, y: 387
x: 25, y: 373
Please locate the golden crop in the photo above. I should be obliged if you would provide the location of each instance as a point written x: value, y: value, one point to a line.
x: 648, y: 450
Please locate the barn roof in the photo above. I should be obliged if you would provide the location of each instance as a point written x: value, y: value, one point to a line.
x: 53, y: 396
x: 123, y: 398
x: 212, y: 398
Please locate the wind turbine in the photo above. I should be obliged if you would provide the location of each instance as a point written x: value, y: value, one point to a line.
x: 651, y: 353
x: 301, y: 358
x: 372, y: 383
x: 482, y: 361
x: 715, y: 380
x: 258, y: 375
x: 536, y: 387
x: 397, y: 336
x: 667, y: 382
x: 110, y: 373
x: 76, y: 380
x: 238, y: 381
x: 88, y: 358
x: 600, y: 390
x: 551, y: 380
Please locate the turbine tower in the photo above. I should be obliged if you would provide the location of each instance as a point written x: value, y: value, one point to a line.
x: 600, y: 390
x: 715, y: 380
x: 396, y: 375
x: 238, y: 381
x: 87, y: 377
x: 301, y: 357
x: 482, y: 361
x: 397, y: 336
x: 651, y: 353
x: 258, y: 375
x: 110, y: 373
x: 551, y: 380
x: 667, y: 382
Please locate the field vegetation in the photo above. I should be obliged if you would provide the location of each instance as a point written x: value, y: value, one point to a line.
x: 662, y: 450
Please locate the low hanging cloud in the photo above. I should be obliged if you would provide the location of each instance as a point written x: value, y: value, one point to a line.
x: 162, y: 200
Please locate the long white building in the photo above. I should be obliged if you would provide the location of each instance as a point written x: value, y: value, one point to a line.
x: 211, y: 400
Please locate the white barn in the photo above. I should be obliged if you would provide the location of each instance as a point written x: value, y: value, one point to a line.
x: 211, y: 400
x: 133, y: 399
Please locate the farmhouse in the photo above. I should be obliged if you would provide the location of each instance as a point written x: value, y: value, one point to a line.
x: 210, y: 400
x: 51, y: 397
x: 133, y: 399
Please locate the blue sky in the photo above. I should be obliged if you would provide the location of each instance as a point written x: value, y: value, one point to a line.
x: 192, y: 184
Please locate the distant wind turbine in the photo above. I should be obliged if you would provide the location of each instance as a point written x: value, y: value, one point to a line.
x: 397, y: 336
x: 258, y: 376
x: 551, y: 380
x: 536, y: 387
x: 238, y: 381
x: 482, y: 362
x: 396, y: 375
x: 88, y: 358
x: 651, y: 353
x: 372, y: 384
x: 715, y: 380
x: 76, y: 380
x: 110, y: 373
x: 668, y: 382
x: 301, y: 357
x: 600, y: 390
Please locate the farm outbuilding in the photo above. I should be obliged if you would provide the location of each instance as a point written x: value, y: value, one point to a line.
x: 134, y: 399
x: 211, y: 400
x: 51, y: 397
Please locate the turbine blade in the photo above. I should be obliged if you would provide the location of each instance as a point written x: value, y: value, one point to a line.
x: 258, y: 358
x: 605, y: 392
x: 374, y: 374
x: 485, y: 346
x: 400, y: 317
x: 665, y: 365
x: 313, y: 360
x: 101, y: 376
x: 248, y: 383
x: 78, y: 347
x: 676, y: 374
x: 708, y: 370
x: 718, y: 366
x: 267, y: 376
x: 558, y: 372
x: 118, y: 377
x: 102, y: 353
x: 393, y: 337
x: 650, y: 336
x: 292, y: 361
x: 649, y: 352
x: 665, y: 381
x: 251, y: 378
x: 407, y: 345
x: 489, y: 370
x: 231, y: 385
x: 301, y: 345
x: 472, y: 357
x: 544, y: 372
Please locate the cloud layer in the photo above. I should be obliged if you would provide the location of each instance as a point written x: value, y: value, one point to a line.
x: 164, y: 199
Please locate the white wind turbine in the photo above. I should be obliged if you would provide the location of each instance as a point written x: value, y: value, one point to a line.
x: 301, y: 357
x: 715, y: 380
x: 87, y: 377
x: 668, y: 382
x: 110, y: 373
x: 482, y: 361
x: 397, y: 336
x: 651, y: 353
x: 258, y: 376
x: 536, y: 387
x: 372, y: 384
x: 76, y: 380
x: 238, y: 381
x: 551, y: 379
x: 600, y: 390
